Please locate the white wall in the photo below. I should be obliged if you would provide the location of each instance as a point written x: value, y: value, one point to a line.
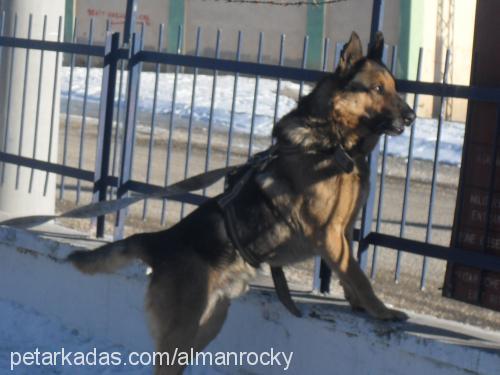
x: 328, y: 340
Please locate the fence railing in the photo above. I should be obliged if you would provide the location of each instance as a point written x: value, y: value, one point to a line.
x: 189, y: 132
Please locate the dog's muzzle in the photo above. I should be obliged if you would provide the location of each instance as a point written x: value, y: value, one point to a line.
x: 397, y: 126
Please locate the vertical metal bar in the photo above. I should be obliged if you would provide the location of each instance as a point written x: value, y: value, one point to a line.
x: 428, y: 235
x: 377, y: 18
x: 23, y: 101
x: 409, y: 166
x: 233, y: 103
x: 53, y: 120
x: 130, y: 18
x: 105, y: 126
x: 303, y: 65
x: 255, y: 95
x: 2, y: 26
x: 191, y: 114
x: 118, y: 129
x: 171, y: 127
x: 9, y: 97
x: 68, y: 111
x: 84, y: 110
x: 37, y: 111
x: 380, y: 204
x: 367, y: 216
x: 153, y: 120
x: 126, y: 159
x: 338, y: 50
x: 141, y: 47
x: 208, y: 154
x: 322, y: 273
x: 278, y: 84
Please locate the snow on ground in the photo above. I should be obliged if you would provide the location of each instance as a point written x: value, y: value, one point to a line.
x: 265, y: 107
x: 23, y: 330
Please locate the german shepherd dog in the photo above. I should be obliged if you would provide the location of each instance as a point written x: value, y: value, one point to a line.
x: 197, y: 269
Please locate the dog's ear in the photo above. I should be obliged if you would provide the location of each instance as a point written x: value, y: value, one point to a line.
x: 376, y: 50
x: 352, y: 52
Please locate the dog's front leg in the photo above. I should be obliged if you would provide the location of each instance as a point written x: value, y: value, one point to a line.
x: 337, y: 253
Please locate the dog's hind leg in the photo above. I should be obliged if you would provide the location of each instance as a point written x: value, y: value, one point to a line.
x: 211, y: 323
x: 176, y: 301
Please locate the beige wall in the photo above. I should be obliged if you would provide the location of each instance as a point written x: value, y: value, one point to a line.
x: 448, y: 24
x: 355, y: 15
x: 151, y: 13
x: 340, y: 20
x: 250, y: 19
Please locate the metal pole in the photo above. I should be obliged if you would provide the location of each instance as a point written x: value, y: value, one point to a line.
x: 105, y: 123
x: 129, y: 129
x: 367, y: 217
x: 130, y: 18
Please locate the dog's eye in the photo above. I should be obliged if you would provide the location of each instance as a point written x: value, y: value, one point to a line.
x: 379, y: 89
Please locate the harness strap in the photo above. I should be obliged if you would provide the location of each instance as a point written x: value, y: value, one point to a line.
x: 280, y: 283
x: 229, y: 220
x: 278, y: 276
x: 341, y: 156
x: 259, y: 162
x: 283, y: 291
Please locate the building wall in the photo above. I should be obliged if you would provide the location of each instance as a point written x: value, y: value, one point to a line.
x: 294, y: 22
x: 151, y: 14
x: 434, y: 25
x: 446, y: 24
x: 345, y: 17
x: 251, y: 20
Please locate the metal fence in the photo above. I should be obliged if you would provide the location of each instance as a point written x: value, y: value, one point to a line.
x: 140, y: 150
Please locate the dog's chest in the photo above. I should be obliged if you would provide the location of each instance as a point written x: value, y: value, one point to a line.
x: 334, y: 201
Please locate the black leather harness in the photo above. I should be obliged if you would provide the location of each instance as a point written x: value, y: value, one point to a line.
x: 258, y: 163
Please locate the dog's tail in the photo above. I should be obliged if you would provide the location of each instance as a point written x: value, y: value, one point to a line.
x: 110, y: 257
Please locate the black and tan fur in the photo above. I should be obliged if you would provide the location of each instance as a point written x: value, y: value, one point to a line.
x: 197, y: 270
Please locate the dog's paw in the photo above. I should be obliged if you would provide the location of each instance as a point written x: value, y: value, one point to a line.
x: 393, y: 315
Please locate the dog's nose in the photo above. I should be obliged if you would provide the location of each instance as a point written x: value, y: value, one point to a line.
x: 409, y: 117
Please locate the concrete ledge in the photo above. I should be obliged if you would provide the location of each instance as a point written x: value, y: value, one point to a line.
x: 330, y: 339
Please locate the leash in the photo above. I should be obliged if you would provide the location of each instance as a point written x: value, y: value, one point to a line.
x: 92, y: 210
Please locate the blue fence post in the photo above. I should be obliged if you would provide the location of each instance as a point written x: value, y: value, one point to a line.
x: 130, y: 18
x: 367, y: 217
x: 105, y: 129
x: 129, y: 130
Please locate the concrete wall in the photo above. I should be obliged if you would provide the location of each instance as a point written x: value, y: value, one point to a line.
x: 433, y: 25
x: 347, y: 16
x: 151, y: 14
x: 339, y: 21
x: 446, y: 24
x: 251, y: 20
x: 329, y: 339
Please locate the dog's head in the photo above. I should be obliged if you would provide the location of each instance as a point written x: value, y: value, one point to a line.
x: 366, y: 96
x: 357, y: 102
